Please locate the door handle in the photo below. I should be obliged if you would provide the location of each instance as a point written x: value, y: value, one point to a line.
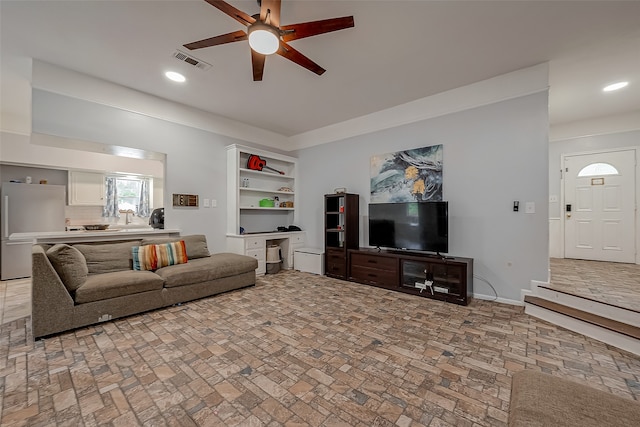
x: 568, y: 215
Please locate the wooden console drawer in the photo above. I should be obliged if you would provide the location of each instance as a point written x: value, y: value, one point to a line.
x: 374, y: 276
x: 336, y: 269
x: 374, y: 261
x: 336, y: 264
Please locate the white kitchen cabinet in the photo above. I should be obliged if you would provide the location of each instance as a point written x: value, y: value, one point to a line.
x: 86, y: 188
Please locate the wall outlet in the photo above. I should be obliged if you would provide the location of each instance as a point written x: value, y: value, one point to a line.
x: 530, y: 207
x: 214, y: 203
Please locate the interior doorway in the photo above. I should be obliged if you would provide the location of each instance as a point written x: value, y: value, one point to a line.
x: 599, y: 206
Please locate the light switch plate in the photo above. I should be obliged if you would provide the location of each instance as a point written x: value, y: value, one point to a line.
x: 205, y: 202
x: 530, y: 207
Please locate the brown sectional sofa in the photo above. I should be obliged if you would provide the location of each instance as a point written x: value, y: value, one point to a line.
x: 82, y: 284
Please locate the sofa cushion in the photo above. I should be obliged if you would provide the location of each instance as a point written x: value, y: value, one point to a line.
x: 108, y: 257
x: 204, y: 269
x: 70, y: 265
x: 196, y: 244
x: 152, y: 257
x: 116, y: 284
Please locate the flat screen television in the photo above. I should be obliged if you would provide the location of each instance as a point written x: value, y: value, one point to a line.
x: 419, y: 226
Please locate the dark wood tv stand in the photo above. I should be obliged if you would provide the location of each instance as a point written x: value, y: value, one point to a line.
x: 404, y: 271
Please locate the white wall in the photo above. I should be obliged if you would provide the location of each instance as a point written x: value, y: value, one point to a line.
x: 584, y: 144
x: 52, y: 78
x: 580, y: 145
x: 45, y: 151
x: 595, y: 126
x: 493, y: 155
x: 195, y: 159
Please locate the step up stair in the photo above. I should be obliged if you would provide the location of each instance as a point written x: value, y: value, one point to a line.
x: 613, y: 325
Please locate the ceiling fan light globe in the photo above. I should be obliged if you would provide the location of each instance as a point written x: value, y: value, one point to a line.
x: 263, y: 39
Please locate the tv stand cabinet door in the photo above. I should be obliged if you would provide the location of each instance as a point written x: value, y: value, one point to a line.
x: 448, y: 279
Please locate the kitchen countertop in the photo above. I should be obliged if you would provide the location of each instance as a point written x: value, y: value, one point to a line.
x: 94, y: 235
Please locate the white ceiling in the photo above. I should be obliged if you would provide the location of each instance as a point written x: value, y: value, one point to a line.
x: 398, y: 51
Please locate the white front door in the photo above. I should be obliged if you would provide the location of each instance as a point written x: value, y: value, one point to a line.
x: 599, y: 206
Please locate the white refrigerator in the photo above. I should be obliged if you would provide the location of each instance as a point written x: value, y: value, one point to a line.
x: 27, y: 208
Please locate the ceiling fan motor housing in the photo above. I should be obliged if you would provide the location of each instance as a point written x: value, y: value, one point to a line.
x: 264, y: 38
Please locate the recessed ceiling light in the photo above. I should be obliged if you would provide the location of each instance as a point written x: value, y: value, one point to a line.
x: 176, y: 77
x: 615, y: 86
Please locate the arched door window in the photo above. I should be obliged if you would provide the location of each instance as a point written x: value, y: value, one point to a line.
x: 598, y: 169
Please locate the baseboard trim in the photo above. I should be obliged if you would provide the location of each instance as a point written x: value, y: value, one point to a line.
x: 501, y: 300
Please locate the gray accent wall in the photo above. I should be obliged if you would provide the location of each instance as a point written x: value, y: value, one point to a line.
x: 493, y: 156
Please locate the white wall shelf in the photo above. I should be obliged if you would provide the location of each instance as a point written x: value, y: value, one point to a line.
x: 264, y: 173
x: 259, y: 208
x: 264, y: 190
x: 247, y: 187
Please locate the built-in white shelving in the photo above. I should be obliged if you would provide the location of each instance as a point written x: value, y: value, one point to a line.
x: 245, y: 189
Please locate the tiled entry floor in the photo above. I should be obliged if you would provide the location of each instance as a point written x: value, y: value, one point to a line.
x: 297, y: 349
x: 15, y: 299
x: 608, y: 282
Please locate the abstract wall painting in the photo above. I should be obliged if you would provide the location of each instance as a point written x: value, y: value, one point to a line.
x: 407, y: 176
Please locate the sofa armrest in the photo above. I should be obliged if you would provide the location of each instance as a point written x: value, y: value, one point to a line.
x: 51, y: 304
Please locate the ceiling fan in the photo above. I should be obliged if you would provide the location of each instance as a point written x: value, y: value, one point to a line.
x: 266, y: 36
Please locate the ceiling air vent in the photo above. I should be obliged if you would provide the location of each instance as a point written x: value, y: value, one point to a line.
x: 191, y: 60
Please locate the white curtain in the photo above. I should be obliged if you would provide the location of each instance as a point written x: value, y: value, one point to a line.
x: 111, y: 205
x: 143, y: 205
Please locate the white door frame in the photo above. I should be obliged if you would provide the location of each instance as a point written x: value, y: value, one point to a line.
x: 636, y: 216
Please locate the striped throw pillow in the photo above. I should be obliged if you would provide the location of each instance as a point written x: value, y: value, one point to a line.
x: 152, y: 257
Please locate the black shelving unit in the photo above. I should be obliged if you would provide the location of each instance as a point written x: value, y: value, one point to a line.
x: 341, y: 213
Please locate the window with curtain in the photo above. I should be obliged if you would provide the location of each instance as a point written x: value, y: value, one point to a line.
x: 127, y: 193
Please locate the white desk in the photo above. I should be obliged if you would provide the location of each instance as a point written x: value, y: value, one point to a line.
x: 255, y: 245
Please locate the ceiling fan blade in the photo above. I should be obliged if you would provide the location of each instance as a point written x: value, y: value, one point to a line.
x: 295, y: 56
x: 236, y: 14
x: 257, y: 62
x: 308, y: 29
x: 236, y: 36
x: 273, y: 6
